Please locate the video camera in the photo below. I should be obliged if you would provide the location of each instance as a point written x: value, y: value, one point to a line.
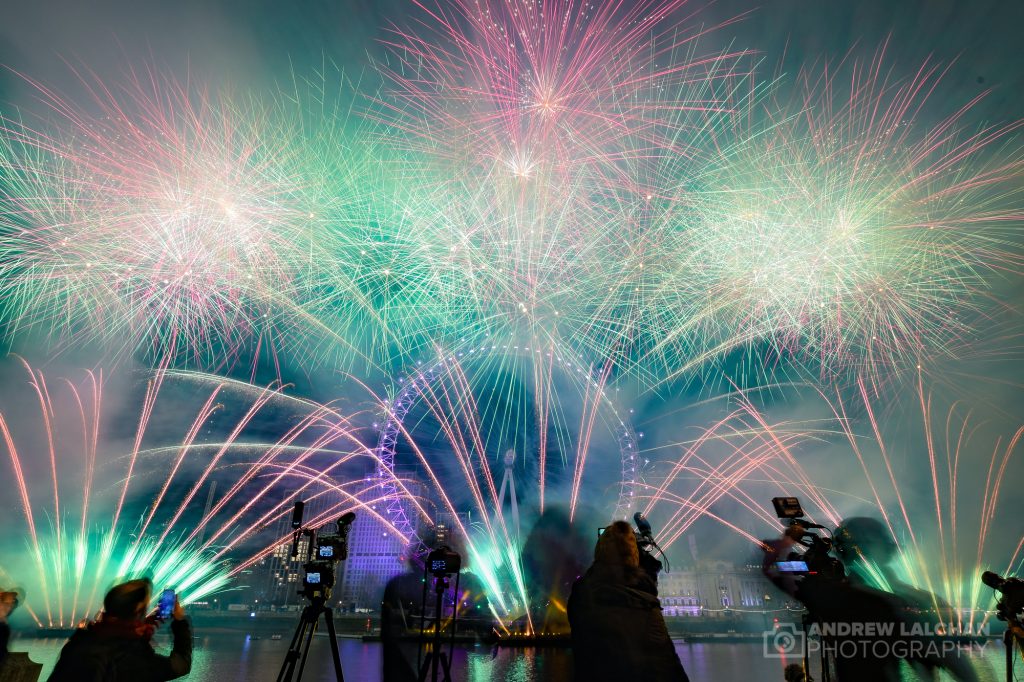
x: 323, y: 552
x: 1011, y: 606
x: 816, y: 559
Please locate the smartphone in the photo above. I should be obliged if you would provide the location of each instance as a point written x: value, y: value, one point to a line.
x: 792, y: 566
x: 165, y: 607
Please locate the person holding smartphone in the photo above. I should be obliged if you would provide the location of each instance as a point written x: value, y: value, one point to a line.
x: 118, y: 645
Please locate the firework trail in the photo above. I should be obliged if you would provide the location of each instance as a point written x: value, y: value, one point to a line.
x: 456, y: 417
x: 850, y: 460
x: 95, y: 530
x: 534, y: 129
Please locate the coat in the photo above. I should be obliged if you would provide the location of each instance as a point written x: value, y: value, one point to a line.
x: 95, y: 656
x: 618, y: 631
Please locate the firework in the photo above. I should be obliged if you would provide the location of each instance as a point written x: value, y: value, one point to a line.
x: 930, y: 488
x: 171, y: 220
x: 847, y: 230
x: 534, y: 130
x: 550, y: 86
x: 91, y: 489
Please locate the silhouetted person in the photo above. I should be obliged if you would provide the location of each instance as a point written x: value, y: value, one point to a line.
x: 553, y: 556
x: 399, y: 613
x: 118, y: 645
x: 862, y: 542
x: 848, y: 602
x: 794, y: 672
x: 8, y: 602
x: 618, y: 632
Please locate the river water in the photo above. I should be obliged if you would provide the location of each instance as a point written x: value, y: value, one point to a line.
x: 236, y: 657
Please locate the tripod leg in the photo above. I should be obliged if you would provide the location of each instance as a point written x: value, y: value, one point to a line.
x: 425, y: 667
x: 806, y: 653
x: 310, y: 629
x: 446, y: 666
x: 1009, y: 642
x: 329, y: 617
x: 288, y: 667
x: 436, y: 647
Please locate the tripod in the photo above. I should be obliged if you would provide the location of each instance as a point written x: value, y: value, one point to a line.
x: 1012, y: 639
x: 435, y: 656
x: 824, y: 653
x: 298, y: 650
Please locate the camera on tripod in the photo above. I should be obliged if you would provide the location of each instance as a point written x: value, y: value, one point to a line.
x: 816, y: 560
x: 442, y: 563
x: 324, y: 551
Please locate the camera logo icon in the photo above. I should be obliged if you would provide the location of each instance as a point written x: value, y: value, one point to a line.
x: 783, y: 641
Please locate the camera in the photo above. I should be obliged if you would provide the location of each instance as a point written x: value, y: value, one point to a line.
x: 816, y: 560
x: 443, y: 561
x: 324, y: 550
x: 1011, y: 605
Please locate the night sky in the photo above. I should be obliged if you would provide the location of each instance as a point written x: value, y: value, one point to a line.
x: 248, y: 42
x: 256, y: 43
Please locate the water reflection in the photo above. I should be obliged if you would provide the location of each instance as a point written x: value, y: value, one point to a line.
x: 237, y: 658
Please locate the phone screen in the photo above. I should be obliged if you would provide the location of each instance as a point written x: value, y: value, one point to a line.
x: 166, y: 605
x: 792, y: 566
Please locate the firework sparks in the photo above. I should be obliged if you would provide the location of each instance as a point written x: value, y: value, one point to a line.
x: 95, y: 534
x: 744, y: 459
x: 847, y: 230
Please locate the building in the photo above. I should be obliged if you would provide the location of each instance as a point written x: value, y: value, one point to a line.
x: 375, y: 555
x: 713, y: 589
x: 446, y: 529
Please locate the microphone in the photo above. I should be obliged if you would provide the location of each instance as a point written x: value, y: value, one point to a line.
x: 297, y: 514
x: 993, y: 580
x: 644, y: 526
x: 344, y: 526
x: 804, y: 523
x: 297, y: 526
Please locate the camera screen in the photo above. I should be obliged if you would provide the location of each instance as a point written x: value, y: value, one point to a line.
x: 439, y: 565
x: 787, y: 507
x: 792, y: 566
x: 326, y: 551
x: 313, y: 578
